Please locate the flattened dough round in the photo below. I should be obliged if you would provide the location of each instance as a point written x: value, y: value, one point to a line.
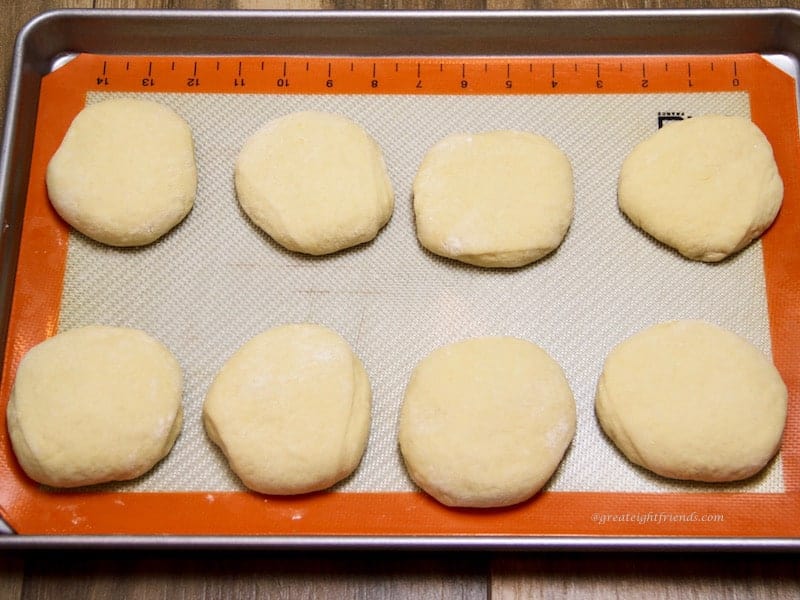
x: 315, y: 182
x: 706, y: 186
x: 94, y: 404
x: 125, y: 172
x: 689, y: 400
x: 291, y: 410
x: 496, y: 199
x: 486, y: 422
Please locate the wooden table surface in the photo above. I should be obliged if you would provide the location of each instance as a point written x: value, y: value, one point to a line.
x: 402, y: 575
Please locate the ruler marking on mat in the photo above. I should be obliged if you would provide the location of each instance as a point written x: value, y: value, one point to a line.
x: 405, y: 75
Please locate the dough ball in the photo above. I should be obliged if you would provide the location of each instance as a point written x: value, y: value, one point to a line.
x: 486, y: 422
x: 291, y: 410
x: 94, y: 404
x: 706, y: 186
x: 689, y: 400
x: 497, y: 199
x: 315, y: 182
x: 125, y: 172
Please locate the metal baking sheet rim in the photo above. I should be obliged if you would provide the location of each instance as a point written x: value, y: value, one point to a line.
x: 402, y: 543
x: 51, y: 35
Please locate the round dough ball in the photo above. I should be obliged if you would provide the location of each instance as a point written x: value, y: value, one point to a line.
x: 497, y: 199
x: 94, y: 404
x: 486, y: 422
x: 125, y: 172
x: 291, y: 410
x: 706, y: 186
x: 689, y: 400
x: 315, y: 182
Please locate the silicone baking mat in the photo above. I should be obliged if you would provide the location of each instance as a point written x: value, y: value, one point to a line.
x: 216, y: 280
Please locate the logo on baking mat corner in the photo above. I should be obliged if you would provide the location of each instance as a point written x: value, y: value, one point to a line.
x: 667, y: 116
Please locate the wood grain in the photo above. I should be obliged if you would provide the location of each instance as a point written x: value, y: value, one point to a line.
x: 237, y: 575
x: 14, y: 16
x: 64, y: 576
x: 655, y: 577
x: 11, y: 569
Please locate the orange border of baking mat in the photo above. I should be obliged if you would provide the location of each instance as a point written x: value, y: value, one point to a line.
x: 30, y: 509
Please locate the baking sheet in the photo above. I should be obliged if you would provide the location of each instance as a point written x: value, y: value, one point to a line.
x: 391, y: 289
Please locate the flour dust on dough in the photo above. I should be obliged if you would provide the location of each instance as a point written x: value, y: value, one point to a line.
x: 486, y: 422
x: 690, y: 400
x: 315, y: 182
x: 291, y: 410
x: 495, y: 199
x: 125, y: 172
x: 707, y: 186
x: 94, y: 404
